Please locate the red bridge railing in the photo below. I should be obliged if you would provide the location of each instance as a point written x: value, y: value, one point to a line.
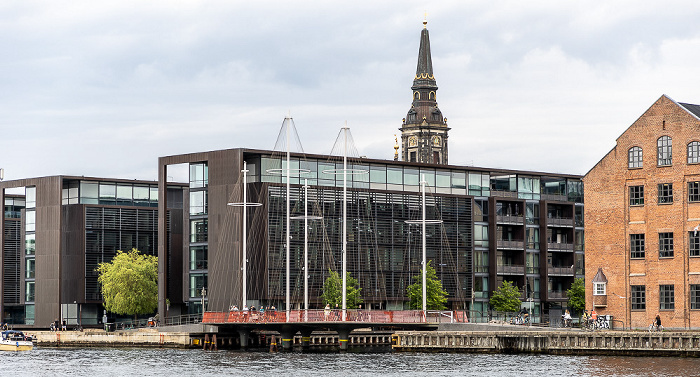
x: 316, y: 316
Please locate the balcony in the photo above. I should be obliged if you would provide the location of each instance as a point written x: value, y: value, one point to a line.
x: 510, y: 269
x: 557, y: 295
x: 560, y: 221
x: 560, y: 271
x: 560, y: 246
x: 504, y: 194
x: 506, y: 219
x: 511, y: 244
x: 554, y: 198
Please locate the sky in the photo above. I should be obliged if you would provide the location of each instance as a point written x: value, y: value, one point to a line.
x: 104, y: 88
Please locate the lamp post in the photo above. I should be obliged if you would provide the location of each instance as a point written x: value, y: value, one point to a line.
x: 204, y: 297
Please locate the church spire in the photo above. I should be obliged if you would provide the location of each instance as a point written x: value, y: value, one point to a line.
x: 424, y: 70
x: 424, y: 130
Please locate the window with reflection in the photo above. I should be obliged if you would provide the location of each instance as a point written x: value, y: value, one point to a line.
x: 30, y: 263
x: 377, y: 173
x: 141, y: 196
x: 634, y: 158
x: 479, y: 184
x: 30, y: 244
x: 29, y: 292
x: 70, y: 192
x: 553, y: 186
x: 197, y: 283
x: 532, y: 236
x: 528, y: 188
x: 198, y: 257
x: 108, y: 193
x: 694, y: 152
x: 394, y: 175
x: 199, y: 230
x: 503, y: 183
x: 429, y: 176
x: 664, y: 149
x: 442, y: 179
x: 532, y: 213
x: 459, y: 180
x: 89, y: 192
x: 124, y: 195
x: 29, y: 220
x: 411, y: 177
x: 30, y: 196
x: 199, y: 175
x: 198, y: 203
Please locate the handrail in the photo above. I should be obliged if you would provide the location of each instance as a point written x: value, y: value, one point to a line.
x: 352, y: 315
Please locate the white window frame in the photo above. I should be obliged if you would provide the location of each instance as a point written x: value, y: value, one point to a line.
x: 599, y: 289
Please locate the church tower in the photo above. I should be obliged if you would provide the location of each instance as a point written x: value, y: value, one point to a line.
x: 424, y: 130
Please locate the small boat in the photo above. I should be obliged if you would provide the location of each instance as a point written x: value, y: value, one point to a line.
x: 13, y: 340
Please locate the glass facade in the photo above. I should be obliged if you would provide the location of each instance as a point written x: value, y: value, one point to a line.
x: 29, y: 247
x: 109, y: 193
x: 383, y: 251
x: 199, y: 230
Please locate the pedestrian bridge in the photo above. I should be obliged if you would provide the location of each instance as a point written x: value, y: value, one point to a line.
x: 307, y: 321
x: 332, y: 316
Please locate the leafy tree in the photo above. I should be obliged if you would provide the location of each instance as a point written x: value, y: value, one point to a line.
x: 577, y: 295
x: 437, y: 296
x: 506, y: 298
x: 333, y: 286
x: 129, y: 283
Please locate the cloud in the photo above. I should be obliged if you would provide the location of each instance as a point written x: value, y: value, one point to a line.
x: 104, y: 88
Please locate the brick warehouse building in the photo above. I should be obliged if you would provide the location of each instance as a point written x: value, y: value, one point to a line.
x: 642, y: 210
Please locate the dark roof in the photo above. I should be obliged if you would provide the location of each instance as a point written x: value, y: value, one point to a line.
x: 693, y: 109
x: 600, y: 277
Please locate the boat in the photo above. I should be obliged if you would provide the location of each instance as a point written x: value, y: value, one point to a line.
x: 13, y: 340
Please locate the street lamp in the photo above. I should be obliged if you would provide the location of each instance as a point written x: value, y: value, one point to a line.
x: 204, y: 297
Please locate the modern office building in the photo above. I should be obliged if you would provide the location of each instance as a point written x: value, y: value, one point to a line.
x: 524, y: 227
x: 497, y: 224
x: 58, y: 229
x: 642, y: 215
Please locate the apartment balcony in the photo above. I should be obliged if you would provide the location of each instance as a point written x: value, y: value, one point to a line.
x: 557, y: 295
x: 511, y: 244
x: 560, y: 246
x: 560, y: 271
x: 504, y: 194
x: 510, y: 269
x: 554, y: 198
x: 507, y: 219
x: 560, y: 221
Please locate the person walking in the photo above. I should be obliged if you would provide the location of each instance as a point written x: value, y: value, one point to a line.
x: 658, y: 323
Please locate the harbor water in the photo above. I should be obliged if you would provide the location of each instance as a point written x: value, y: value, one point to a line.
x: 44, y: 361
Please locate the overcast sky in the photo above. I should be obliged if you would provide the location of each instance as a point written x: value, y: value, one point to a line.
x: 103, y: 88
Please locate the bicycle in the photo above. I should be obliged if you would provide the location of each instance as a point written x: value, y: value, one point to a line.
x: 653, y: 327
x: 601, y: 323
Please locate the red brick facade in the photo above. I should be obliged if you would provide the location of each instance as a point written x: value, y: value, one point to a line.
x: 611, y: 219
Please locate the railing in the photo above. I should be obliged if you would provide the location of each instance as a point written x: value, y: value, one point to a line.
x: 560, y: 221
x: 509, y: 219
x: 186, y: 319
x: 510, y: 244
x: 510, y: 269
x: 551, y: 270
x: 352, y: 315
x: 557, y: 294
x: 560, y: 246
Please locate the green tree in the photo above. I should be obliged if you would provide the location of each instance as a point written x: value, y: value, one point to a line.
x: 437, y: 296
x: 577, y: 295
x: 506, y: 298
x: 333, y: 286
x: 129, y: 283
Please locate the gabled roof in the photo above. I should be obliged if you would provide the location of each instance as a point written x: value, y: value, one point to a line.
x: 600, y: 277
x: 693, y: 109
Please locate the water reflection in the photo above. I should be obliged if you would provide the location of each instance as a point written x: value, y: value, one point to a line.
x: 159, y: 362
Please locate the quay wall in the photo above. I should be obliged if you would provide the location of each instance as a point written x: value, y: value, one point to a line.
x: 140, y: 338
x: 631, y: 343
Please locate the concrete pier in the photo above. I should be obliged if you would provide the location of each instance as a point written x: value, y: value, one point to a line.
x: 633, y: 343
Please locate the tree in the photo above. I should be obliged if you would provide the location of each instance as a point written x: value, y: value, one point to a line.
x: 333, y: 286
x: 437, y: 296
x: 506, y: 298
x: 577, y: 295
x: 129, y: 283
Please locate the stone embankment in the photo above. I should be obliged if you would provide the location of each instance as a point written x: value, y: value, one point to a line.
x: 571, y: 342
x: 151, y: 337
